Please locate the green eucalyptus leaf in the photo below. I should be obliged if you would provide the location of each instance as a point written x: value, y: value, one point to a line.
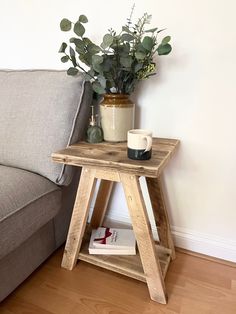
x: 107, y: 63
x: 72, y: 71
x: 122, y: 50
x: 72, y: 55
x: 140, y: 55
x: 96, y: 63
x: 83, y: 59
x: 79, y: 29
x: 65, y: 25
x: 98, y: 88
x: 97, y: 68
x: 97, y: 59
x: 140, y: 48
x: 86, y: 58
x: 161, y: 30
x: 152, y: 30
x: 138, y: 67
x: 89, y: 58
x: 72, y: 52
x: 86, y: 41
x: 126, y: 61
x: 127, y: 37
x: 126, y: 29
x: 72, y: 39
x: 74, y: 61
x: 103, y: 46
x: 62, y: 48
x: 102, y: 80
x: 148, y: 43
x: 79, y: 50
x: 123, y: 54
x: 93, y: 49
x: 126, y: 48
x: 164, y: 49
x: 107, y: 40
x: 77, y: 41
x: 166, y: 40
x: 64, y: 59
x: 114, y: 46
x: 83, y: 18
x: 79, y: 45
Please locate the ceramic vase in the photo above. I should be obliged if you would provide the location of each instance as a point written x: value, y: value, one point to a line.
x: 117, y: 117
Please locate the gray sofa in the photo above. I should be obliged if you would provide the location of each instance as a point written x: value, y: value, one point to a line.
x: 41, y: 111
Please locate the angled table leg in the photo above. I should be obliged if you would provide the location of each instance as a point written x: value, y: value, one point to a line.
x: 143, y: 234
x: 101, y: 203
x: 79, y: 218
x: 160, y: 213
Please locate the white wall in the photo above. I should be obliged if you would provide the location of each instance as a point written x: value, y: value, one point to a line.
x: 192, y: 98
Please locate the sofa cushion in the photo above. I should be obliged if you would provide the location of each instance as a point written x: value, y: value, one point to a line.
x: 27, y: 202
x: 41, y: 111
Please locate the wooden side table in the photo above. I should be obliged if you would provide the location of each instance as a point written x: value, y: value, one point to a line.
x: 109, y: 162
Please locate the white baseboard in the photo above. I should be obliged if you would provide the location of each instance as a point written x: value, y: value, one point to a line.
x: 190, y: 240
x: 205, y: 244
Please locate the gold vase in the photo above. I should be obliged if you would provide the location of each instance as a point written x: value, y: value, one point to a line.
x: 117, y: 117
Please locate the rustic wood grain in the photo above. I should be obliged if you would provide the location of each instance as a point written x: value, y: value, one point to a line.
x: 109, y: 162
x: 143, y: 234
x: 101, y: 203
x: 114, y: 157
x: 130, y: 266
x: 160, y: 213
x: 111, y: 175
x: 79, y: 218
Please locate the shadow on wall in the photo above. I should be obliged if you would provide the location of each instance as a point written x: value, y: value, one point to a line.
x: 149, y: 85
x: 135, y: 98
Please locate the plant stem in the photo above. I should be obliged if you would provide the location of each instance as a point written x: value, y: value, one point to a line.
x: 81, y: 68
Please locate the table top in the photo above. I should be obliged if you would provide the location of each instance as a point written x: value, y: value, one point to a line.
x: 113, y: 156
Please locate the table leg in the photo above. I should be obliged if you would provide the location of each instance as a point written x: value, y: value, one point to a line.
x: 143, y: 234
x: 101, y: 203
x: 79, y: 218
x: 160, y: 213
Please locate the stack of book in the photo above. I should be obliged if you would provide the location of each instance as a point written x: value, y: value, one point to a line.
x: 112, y: 241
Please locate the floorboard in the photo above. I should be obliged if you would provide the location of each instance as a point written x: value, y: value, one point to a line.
x: 194, y: 286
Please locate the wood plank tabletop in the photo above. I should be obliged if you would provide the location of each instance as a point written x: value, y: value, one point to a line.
x: 113, y: 156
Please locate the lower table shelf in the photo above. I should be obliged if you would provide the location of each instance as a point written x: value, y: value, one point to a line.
x: 128, y: 265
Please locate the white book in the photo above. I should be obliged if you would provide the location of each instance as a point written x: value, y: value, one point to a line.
x: 109, y: 251
x: 113, y: 238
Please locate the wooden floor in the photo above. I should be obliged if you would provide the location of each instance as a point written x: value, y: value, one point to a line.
x: 194, y: 286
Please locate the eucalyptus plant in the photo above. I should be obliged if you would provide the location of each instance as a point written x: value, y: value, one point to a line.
x: 120, y: 61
